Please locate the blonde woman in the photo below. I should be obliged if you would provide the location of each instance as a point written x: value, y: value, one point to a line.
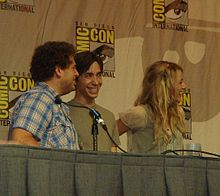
x: 156, y: 121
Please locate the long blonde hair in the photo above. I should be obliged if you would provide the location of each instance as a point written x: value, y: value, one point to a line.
x: 159, y: 93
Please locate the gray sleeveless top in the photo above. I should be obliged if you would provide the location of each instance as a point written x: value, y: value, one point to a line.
x: 140, y: 136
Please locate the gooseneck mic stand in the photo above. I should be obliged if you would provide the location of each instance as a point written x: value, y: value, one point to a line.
x: 96, y: 119
x: 95, y: 133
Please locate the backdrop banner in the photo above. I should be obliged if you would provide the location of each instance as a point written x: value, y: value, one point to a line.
x: 129, y: 35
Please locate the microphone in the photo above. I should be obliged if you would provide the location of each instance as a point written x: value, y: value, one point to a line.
x: 58, y: 100
x: 93, y: 112
x: 98, y: 118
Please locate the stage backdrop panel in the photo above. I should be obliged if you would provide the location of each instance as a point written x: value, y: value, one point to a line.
x: 130, y: 35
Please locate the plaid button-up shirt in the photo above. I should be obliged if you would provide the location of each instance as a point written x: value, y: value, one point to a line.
x: 37, y: 113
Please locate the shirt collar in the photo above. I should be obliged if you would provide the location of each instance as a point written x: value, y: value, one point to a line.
x: 45, y: 86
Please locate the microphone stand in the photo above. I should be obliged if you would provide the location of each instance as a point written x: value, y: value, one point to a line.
x: 95, y: 133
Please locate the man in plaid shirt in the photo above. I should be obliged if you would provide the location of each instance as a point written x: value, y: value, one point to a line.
x: 37, y: 120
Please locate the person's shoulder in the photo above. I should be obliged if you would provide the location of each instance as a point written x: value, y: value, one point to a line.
x: 105, y: 112
x: 75, y: 107
x: 39, y: 95
x: 104, y: 109
x: 75, y: 103
x: 135, y: 118
x: 139, y: 109
x: 30, y: 94
x: 135, y: 112
x: 145, y: 107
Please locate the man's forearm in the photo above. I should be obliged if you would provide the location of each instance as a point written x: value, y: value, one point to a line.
x: 23, y: 137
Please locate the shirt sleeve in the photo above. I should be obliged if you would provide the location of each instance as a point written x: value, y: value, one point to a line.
x: 34, y: 114
x: 115, y: 134
x: 134, y: 118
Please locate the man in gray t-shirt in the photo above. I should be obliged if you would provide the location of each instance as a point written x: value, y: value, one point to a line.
x: 89, y: 82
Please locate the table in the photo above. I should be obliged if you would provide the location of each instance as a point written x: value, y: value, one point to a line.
x: 48, y: 172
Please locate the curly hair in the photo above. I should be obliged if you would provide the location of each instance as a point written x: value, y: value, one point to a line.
x: 47, y: 56
x: 159, y: 93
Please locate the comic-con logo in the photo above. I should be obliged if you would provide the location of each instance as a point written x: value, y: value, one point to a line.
x: 99, y: 39
x: 185, y: 102
x: 11, y: 88
x: 170, y: 14
x: 17, y: 5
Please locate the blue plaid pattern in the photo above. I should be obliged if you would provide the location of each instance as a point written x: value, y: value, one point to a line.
x: 37, y: 113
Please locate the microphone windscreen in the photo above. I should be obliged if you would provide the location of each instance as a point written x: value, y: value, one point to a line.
x: 58, y: 100
x: 95, y: 113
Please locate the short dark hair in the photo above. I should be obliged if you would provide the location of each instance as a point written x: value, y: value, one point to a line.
x: 85, y: 59
x: 47, y: 56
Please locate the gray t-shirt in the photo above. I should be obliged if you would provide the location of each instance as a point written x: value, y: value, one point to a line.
x: 140, y: 136
x: 83, y: 124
